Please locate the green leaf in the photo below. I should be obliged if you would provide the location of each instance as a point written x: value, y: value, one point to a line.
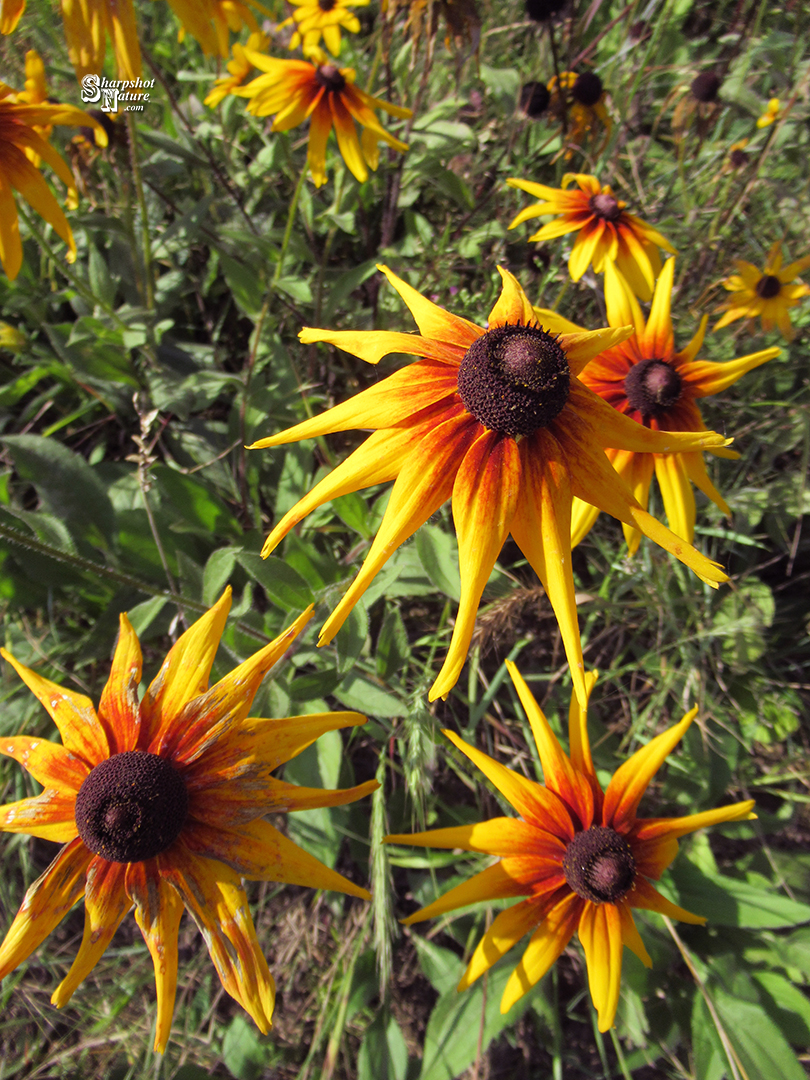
x: 317, y: 766
x: 383, y: 1053
x: 441, y: 967
x: 438, y: 552
x: 283, y: 585
x: 741, y: 619
x: 244, y: 1054
x: 393, y: 650
x: 455, y: 1031
x: 67, y: 485
x: 787, y: 1006
x: 763, y: 1050
x: 709, y: 1057
x: 197, y: 506
x: 360, y: 693
x: 217, y: 571
x: 351, y: 638
x: 729, y: 901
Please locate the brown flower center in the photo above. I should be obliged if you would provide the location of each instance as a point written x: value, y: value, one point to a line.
x: 514, y: 379
x: 587, y: 89
x: 330, y: 78
x: 599, y: 865
x: 652, y: 387
x: 534, y: 99
x: 131, y: 807
x: 706, y: 86
x: 326, y: 5
x: 768, y: 286
x: 605, y: 207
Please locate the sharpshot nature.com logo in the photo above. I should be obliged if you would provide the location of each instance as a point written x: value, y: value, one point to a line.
x: 112, y: 91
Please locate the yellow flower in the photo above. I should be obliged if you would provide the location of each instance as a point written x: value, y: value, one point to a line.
x: 35, y: 93
x: 581, y: 99
x: 297, y: 90
x: 20, y: 124
x: 10, y: 12
x: 606, y: 230
x: 767, y: 293
x: 648, y: 381
x: 770, y: 114
x: 581, y: 856
x: 12, y: 339
x: 323, y: 18
x: 88, y: 24
x: 240, y: 67
x: 209, y: 21
x: 161, y: 803
x: 498, y: 421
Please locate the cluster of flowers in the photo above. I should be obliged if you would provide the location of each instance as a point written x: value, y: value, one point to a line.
x: 531, y: 426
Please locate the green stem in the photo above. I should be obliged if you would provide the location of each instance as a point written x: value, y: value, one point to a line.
x: 148, y: 265
x: 117, y: 577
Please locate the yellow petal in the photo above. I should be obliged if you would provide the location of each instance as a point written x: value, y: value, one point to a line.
x: 646, y: 896
x: 709, y: 378
x: 546, y: 945
x: 119, y: 708
x: 676, y: 492
x: 512, y: 306
x: 506, y: 931
x: 630, y: 935
x: 49, y: 763
x: 600, y: 932
x: 622, y: 306
x: 582, y: 348
x: 498, y: 836
x: 494, y: 883
x: 158, y: 910
x: 105, y: 905
x: 651, y: 828
x: 630, y: 781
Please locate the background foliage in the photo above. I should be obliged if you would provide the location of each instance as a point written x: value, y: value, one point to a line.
x: 125, y: 485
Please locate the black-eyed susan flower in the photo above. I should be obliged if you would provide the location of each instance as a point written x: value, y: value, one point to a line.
x: 87, y: 27
x: 606, y: 231
x: 498, y: 421
x: 771, y: 114
x: 10, y: 12
x: 21, y: 125
x: 767, y: 293
x: 316, y: 19
x: 297, y: 90
x: 582, y: 857
x: 238, y: 69
x: 580, y: 100
x: 161, y: 804
x: 648, y: 381
x: 209, y: 22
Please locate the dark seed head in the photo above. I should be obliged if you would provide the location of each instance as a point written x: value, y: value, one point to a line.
x: 131, y: 807
x: 542, y: 10
x: 534, y: 99
x: 738, y: 158
x: 587, y: 88
x: 599, y: 865
x: 330, y: 78
x: 605, y: 207
x: 706, y: 86
x: 514, y: 379
x: 768, y: 286
x: 326, y: 5
x: 652, y: 387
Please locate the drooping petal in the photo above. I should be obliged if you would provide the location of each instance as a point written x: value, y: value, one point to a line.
x: 46, y: 903
x: 486, y: 490
x: 590, y: 247
x: 348, y: 143
x: 423, y: 485
x: 259, y: 852
x: 506, y: 931
x: 532, y: 801
x: 213, y: 894
x: 119, y: 709
x: 183, y: 674
x: 676, y: 492
x: 653, y: 857
x: 646, y: 896
x: 72, y: 713
x: 545, y: 947
x: 206, y: 718
x: 542, y: 530
x: 498, y: 836
x: 158, y: 909
x: 105, y: 905
x: 630, y: 781
x: 558, y: 772
x: 494, y: 883
x: 49, y: 815
x: 11, y: 252
x: 49, y: 763
x: 630, y: 935
x: 600, y: 932
x: 320, y: 124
